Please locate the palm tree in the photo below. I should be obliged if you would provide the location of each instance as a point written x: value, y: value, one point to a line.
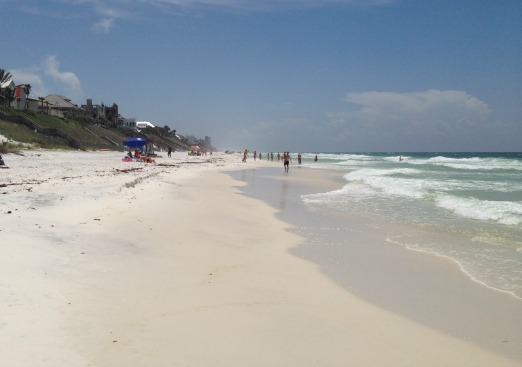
x: 166, y: 130
x: 9, y: 96
x: 41, y: 99
x: 27, y: 91
x: 4, y: 77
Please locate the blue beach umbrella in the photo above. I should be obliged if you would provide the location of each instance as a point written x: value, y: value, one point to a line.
x: 133, y: 143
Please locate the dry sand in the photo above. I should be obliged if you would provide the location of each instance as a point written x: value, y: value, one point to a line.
x: 106, y: 263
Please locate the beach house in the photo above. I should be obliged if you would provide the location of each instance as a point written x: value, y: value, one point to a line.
x: 132, y: 124
x: 62, y: 106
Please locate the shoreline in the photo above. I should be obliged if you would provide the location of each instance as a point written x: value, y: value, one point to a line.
x: 396, y: 276
x: 171, y: 265
x: 461, y: 268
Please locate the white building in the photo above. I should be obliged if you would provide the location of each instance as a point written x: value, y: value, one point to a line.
x: 143, y: 124
x: 136, y: 125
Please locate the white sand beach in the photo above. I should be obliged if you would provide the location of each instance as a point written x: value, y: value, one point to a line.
x: 107, y: 263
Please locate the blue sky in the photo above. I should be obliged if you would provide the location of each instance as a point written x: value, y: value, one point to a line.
x: 298, y: 75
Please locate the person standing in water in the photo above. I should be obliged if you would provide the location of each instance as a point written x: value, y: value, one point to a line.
x: 299, y: 158
x: 315, y: 159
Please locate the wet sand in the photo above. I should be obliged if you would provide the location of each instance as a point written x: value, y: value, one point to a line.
x: 355, y: 252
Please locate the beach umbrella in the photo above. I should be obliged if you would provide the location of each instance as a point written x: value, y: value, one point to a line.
x: 195, y: 147
x: 133, y: 143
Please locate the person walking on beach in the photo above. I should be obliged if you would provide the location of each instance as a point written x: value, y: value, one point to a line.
x: 169, y: 152
x: 245, y: 153
x: 272, y: 156
x: 286, y: 161
x: 255, y: 155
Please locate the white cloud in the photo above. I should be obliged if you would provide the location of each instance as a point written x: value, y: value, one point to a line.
x: 417, y: 103
x: 107, y: 11
x: 116, y: 9
x: 267, y: 5
x: 28, y: 77
x: 429, y: 120
x: 47, y: 78
x: 103, y: 25
x: 258, y: 4
x: 68, y: 79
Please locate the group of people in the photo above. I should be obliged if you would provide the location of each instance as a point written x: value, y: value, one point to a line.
x: 198, y: 152
x: 270, y: 156
x: 286, y: 158
x: 139, y: 157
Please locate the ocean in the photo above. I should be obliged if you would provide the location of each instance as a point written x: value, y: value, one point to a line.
x: 466, y: 207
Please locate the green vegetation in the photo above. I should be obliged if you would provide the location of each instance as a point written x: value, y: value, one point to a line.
x: 91, y: 136
x: 21, y: 133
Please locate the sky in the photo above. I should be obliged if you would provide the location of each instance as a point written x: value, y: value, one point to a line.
x: 284, y: 75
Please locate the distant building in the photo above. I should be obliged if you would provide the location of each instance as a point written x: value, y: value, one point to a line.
x: 143, y: 124
x: 208, y: 142
x: 20, y: 97
x: 132, y: 124
x: 94, y: 111
x: 112, y: 115
x: 44, y: 106
x: 32, y: 104
x: 129, y: 123
x: 108, y: 115
x: 62, y: 106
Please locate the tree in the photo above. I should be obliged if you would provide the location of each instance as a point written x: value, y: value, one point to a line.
x: 42, y: 99
x: 9, y: 96
x: 191, y: 139
x: 27, y: 91
x: 165, y: 130
x: 4, y: 77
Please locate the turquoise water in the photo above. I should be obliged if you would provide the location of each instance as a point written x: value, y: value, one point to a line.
x: 466, y: 207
